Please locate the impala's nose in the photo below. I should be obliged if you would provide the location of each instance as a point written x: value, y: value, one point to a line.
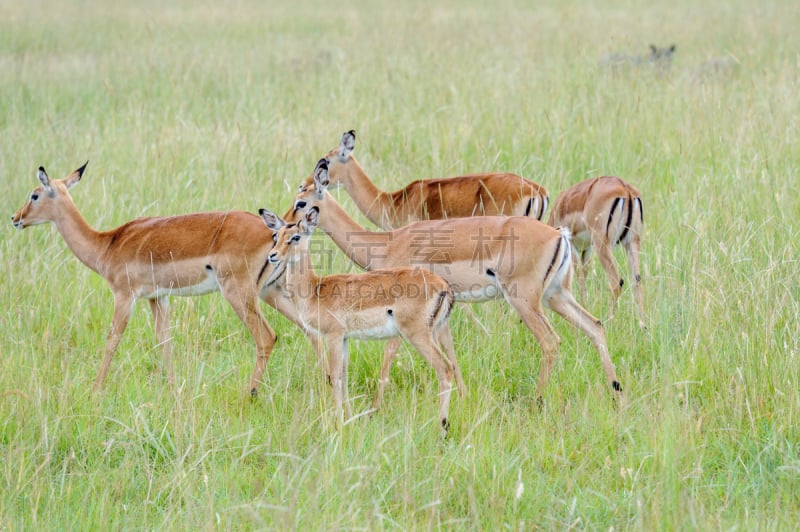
x: 273, y: 258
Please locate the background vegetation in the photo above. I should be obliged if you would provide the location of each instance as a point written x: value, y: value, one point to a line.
x: 191, y: 106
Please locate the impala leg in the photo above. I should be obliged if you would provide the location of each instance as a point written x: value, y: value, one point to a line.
x: 424, y: 344
x: 445, y: 339
x: 160, y: 309
x: 547, y: 337
x: 122, y: 312
x: 564, y: 304
x: 606, y: 256
x: 581, y: 262
x: 389, y: 354
x: 335, y: 348
x: 285, y: 307
x: 244, y: 301
x: 345, y: 395
x: 632, y: 249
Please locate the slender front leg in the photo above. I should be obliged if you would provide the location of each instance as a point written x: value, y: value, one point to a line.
x: 346, y: 396
x: 335, y: 349
x: 160, y: 309
x: 123, y: 301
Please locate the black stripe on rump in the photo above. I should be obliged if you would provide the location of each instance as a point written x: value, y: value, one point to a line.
x: 627, y: 221
x: 611, y: 213
x: 553, y: 261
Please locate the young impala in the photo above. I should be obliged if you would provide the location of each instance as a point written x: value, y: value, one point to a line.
x: 433, y: 199
x: 411, y: 303
x: 517, y: 258
x: 154, y: 258
x: 601, y: 213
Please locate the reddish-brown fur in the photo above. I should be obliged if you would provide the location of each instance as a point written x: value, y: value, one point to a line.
x: 153, y: 258
x: 516, y: 258
x: 487, y: 194
x: 586, y: 210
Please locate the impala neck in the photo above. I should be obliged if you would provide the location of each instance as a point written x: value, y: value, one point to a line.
x: 376, y: 204
x: 86, y: 243
x: 359, y: 244
x: 300, y: 278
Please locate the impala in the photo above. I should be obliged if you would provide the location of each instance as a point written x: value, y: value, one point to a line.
x: 433, y: 199
x: 517, y: 258
x: 412, y: 303
x: 601, y: 213
x: 154, y: 258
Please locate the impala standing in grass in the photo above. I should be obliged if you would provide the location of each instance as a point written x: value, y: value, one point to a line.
x: 488, y: 194
x: 154, y: 258
x: 600, y: 213
x: 516, y: 258
x: 412, y: 303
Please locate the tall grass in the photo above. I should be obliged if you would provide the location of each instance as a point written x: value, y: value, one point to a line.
x: 227, y: 105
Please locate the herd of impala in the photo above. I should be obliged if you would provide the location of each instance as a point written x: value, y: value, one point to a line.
x: 471, y: 238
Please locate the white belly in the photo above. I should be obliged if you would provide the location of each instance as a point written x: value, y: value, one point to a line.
x: 479, y: 294
x: 206, y: 286
x: 387, y: 330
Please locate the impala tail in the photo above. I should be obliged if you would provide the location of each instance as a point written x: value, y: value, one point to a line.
x: 560, y: 264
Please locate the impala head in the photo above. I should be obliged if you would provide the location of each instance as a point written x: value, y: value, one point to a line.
x: 311, y: 194
x: 339, y: 156
x: 291, y: 239
x: 46, y: 200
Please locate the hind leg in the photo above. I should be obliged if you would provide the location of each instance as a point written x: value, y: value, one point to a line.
x: 564, y: 304
x: 389, y: 354
x: 424, y: 344
x: 632, y: 248
x: 242, y: 296
x: 445, y: 339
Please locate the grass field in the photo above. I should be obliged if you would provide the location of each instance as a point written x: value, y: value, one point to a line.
x: 228, y: 105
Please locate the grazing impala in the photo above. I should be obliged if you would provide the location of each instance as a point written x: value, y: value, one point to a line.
x: 412, y: 303
x: 154, y: 258
x: 601, y: 213
x: 433, y: 199
x: 516, y: 258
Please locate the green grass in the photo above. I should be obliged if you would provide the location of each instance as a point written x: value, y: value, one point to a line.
x: 216, y: 105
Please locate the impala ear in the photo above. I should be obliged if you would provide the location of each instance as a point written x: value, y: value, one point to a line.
x: 75, y: 177
x: 321, y: 179
x: 271, y: 220
x: 44, y: 180
x: 309, y: 221
x: 347, y: 145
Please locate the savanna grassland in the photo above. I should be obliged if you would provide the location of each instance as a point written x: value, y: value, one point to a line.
x: 193, y: 106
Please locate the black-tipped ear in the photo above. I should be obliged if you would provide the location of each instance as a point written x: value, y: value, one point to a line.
x: 72, y: 179
x: 348, y: 144
x: 310, y: 220
x: 43, y: 178
x: 271, y: 220
x: 321, y: 179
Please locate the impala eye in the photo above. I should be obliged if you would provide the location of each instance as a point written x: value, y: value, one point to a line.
x: 34, y: 197
x: 295, y: 239
x: 301, y: 204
